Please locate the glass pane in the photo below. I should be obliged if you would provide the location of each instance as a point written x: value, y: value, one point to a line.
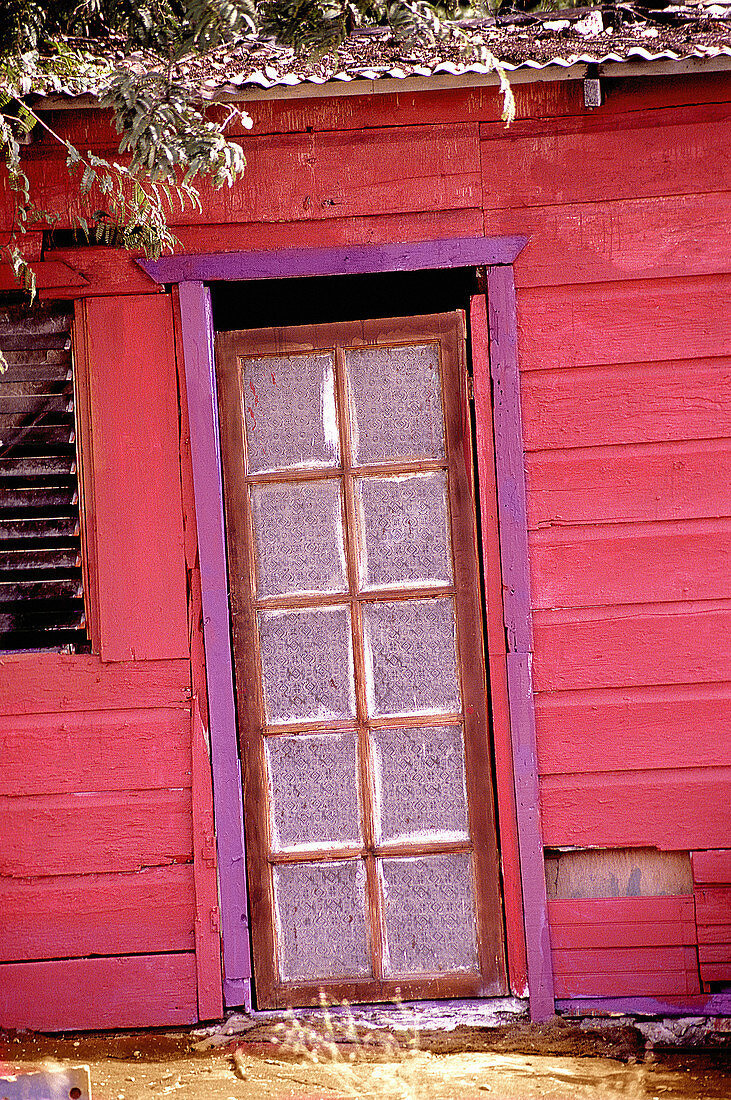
x: 404, y: 530
x: 320, y: 918
x: 429, y: 914
x: 420, y: 784
x: 307, y: 664
x: 395, y: 403
x: 313, y: 788
x: 289, y: 411
x: 410, y: 657
x: 298, y: 533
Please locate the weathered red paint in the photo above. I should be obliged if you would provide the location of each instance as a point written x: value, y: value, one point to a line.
x: 625, y: 358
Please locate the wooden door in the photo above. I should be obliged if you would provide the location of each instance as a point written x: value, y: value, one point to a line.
x: 359, y: 661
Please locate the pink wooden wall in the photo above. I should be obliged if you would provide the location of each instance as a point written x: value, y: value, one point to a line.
x: 625, y: 355
x: 101, y: 852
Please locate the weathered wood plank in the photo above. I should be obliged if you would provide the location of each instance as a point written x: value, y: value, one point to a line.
x: 619, y: 960
x: 573, y: 920
x: 37, y: 683
x: 74, y: 915
x: 636, y: 982
x: 95, y: 751
x: 636, y: 646
x: 718, y: 935
x: 72, y: 994
x: 633, y: 729
x: 712, y: 867
x: 598, y: 324
x: 631, y: 563
x: 678, y: 809
x: 660, y: 481
x: 94, y: 833
x: 635, y: 238
x: 672, y: 152
x: 426, y: 225
x: 95, y: 271
x: 134, y: 409
x: 713, y: 904
x: 386, y: 171
x: 637, y: 403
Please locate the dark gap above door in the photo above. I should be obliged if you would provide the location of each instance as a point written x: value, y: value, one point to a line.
x: 272, y: 303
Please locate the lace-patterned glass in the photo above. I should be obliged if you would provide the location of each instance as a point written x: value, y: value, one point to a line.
x: 320, y: 919
x: 429, y: 914
x: 313, y: 789
x: 298, y: 532
x: 404, y: 530
x: 307, y: 664
x: 395, y: 403
x: 410, y: 657
x: 289, y: 412
x: 421, y: 794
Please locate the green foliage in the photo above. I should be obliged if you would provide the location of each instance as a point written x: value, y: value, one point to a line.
x: 169, y: 137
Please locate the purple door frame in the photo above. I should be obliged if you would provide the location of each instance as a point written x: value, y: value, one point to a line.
x: 192, y: 272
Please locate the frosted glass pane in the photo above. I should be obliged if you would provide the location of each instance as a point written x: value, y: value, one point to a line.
x: 429, y: 914
x: 420, y: 783
x: 321, y: 928
x: 410, y: 657
x: 299, y: 538
x: 307, y: 664
x: 289, y: 411
x: 395, y: 402
x: 314, y: 789
x: 404, y: 530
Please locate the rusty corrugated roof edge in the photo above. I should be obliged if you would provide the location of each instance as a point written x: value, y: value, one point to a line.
x: 537, y: 45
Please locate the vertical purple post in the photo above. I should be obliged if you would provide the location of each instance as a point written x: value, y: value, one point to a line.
x: 513, y: 523
x: 197, y: 333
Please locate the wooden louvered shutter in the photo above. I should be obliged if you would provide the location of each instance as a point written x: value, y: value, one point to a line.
x: 41, y: 592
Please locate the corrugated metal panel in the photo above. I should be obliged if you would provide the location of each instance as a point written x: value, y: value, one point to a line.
x: 41, y: 593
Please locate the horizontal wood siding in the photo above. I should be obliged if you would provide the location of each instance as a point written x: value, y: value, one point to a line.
x: 712, y: 891
x: 97, y: 886
x: 84, y: 994
x: 624, y: 947
x: 625, y: 353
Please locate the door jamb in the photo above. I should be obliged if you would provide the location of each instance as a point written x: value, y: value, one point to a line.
x: 501, y: 376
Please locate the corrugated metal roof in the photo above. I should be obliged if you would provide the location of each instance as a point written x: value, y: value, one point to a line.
x: 618, y: 33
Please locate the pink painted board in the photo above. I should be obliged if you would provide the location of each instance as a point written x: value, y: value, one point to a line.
x: 631, y: 403
x: 631, y: 729
x: 712, y: 867
x: 644, y: 482
x: 672, y: 151
x: 134, y: 410
x: 49, y: 683
x: 610, y: 241
x: 630, y: 563
x: 600, y: 324
x: 70, y: 834
x: 104, y: 750
x: 148, y: 911
x: 676, y: 809
x: 632, y: 647
x: 81, y: 994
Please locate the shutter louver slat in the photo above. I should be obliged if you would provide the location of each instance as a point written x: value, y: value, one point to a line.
x: 41, y: 588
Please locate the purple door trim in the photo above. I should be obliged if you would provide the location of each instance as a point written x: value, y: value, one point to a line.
x: 513, y: 522
x: 200, y: 378
x: 197, y: 325
x: 360, y: 259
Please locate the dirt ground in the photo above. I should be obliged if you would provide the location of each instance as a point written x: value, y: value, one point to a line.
x: 519, y: 1063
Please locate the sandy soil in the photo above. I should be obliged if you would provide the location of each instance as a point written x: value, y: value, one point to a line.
x: 147, y: 1066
